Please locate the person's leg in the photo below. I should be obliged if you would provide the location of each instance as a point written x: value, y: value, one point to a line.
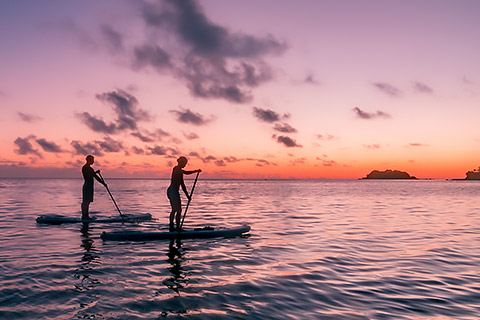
x: 172, y: 215
x: 85, y: 206
x: 179, y: 217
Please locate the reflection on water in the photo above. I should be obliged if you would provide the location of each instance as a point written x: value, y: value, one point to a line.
x: 178, y: 279
x: 317, y: 250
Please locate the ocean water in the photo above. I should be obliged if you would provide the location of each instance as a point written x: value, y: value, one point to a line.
x: 317, y: 250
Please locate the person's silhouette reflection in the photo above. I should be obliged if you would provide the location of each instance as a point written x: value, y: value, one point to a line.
x: 175, y: 256
x: 83, y: 272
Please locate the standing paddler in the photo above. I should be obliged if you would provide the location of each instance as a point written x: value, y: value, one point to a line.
x: 173, y: 192
x: 87, y: 189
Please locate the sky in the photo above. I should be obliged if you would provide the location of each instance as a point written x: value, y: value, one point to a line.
x: 244, y: 89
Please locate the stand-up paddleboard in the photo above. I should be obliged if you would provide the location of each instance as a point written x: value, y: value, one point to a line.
x: 59, y: 219
x: 187, y: 234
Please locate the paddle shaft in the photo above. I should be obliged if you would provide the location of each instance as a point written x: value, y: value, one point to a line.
x: 188, y: 203
x: 111, y: 196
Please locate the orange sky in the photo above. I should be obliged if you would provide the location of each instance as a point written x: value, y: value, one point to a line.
x: 340, y: 90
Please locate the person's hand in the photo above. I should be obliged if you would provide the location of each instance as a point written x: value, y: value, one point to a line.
x: 189, y: 197
x: 199, y: 170
x: 104, y: 183
x: 98, y: 171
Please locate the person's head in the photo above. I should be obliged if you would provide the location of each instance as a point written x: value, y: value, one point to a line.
x: 90, y: 159
x: 182, y: 162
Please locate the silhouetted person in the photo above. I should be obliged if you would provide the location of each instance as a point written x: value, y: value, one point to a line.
x: 87, y: 190
x: 173, y: 192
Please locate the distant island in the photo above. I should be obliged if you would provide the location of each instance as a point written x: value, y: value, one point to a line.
x: 388, y: 174
x: 473, y: 175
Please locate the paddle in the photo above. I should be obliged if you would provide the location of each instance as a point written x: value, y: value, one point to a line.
x: 188, y: 203
x: 121, y: 214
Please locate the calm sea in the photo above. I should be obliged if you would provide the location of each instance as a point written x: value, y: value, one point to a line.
x: 317, y: 250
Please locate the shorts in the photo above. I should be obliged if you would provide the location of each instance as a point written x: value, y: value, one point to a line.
x: 174, y: 197
x: 87, y: 193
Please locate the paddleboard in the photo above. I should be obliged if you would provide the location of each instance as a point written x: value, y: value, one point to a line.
x: 187, y: 234
x: 59, y: 219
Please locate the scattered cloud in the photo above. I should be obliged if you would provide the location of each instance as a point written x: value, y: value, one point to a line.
x: 153, y: 56
x: 209, y: 158
x: 231, y: 159
x: 187, y: 116
x: 220, y: 163
x: 268, y: 115
x: 24, y: 147
x: 416, y: 144
x: 422, y: 88
x: 157, y: 150
x: 325, y: 137
x: 146, y: 136
x: 49, y: 146
x: 190, y: 136
x: 109, y: 145
x: 311, y: 79
x: 367, y: 115
x: 28, y: 117
x: 137, y: 150
x: 212, y: 61
x: 113, y: 38
x: 284, y: 128
x: 372, y: 146
x: 388, y: 89
x: 125, y: 107
x: 287, y: 141
x: 81, y: 148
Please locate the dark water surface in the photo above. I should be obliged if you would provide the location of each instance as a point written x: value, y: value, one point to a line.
x: 317, y: 250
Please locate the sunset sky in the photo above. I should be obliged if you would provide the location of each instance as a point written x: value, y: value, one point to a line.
x: 244, y: 89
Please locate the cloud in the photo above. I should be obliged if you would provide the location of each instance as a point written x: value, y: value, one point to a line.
x: 187, y: 116
x: 327, y: 137
x: 311, y: 79
x: 147, y: 136
x: 49, y: 146
x: 28, y: 117
x: 372, y: 146
x: 81, y: 148
x: 388, y: 89
x: 422, y: 88
x: 158, y: 150
x: 367, y: 115
x: 209, y: 158
x: 24, y: 146
x: 97, y: 124
x: 109, y: 145
x: 231, y: 159
x: 416, y: 144
x: 153, y: 56
x: 284, y: 128
x: 125, y: 107
x: 211, y: 60
x: 137, y: 150
x: 113, y: 38
x: 220, y: 163
x: 267, y: 115
x: 191, y: 136
x: 287, y: 141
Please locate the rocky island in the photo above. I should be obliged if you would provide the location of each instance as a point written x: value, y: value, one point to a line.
x: 473, y: 175
x: 388, y: 174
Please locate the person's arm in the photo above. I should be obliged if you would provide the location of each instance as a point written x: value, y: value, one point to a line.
x: 190, y: 172
x: 184, y: 188
x: 98, y: 178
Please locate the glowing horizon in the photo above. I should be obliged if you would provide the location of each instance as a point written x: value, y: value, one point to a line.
x: 270, y: 90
